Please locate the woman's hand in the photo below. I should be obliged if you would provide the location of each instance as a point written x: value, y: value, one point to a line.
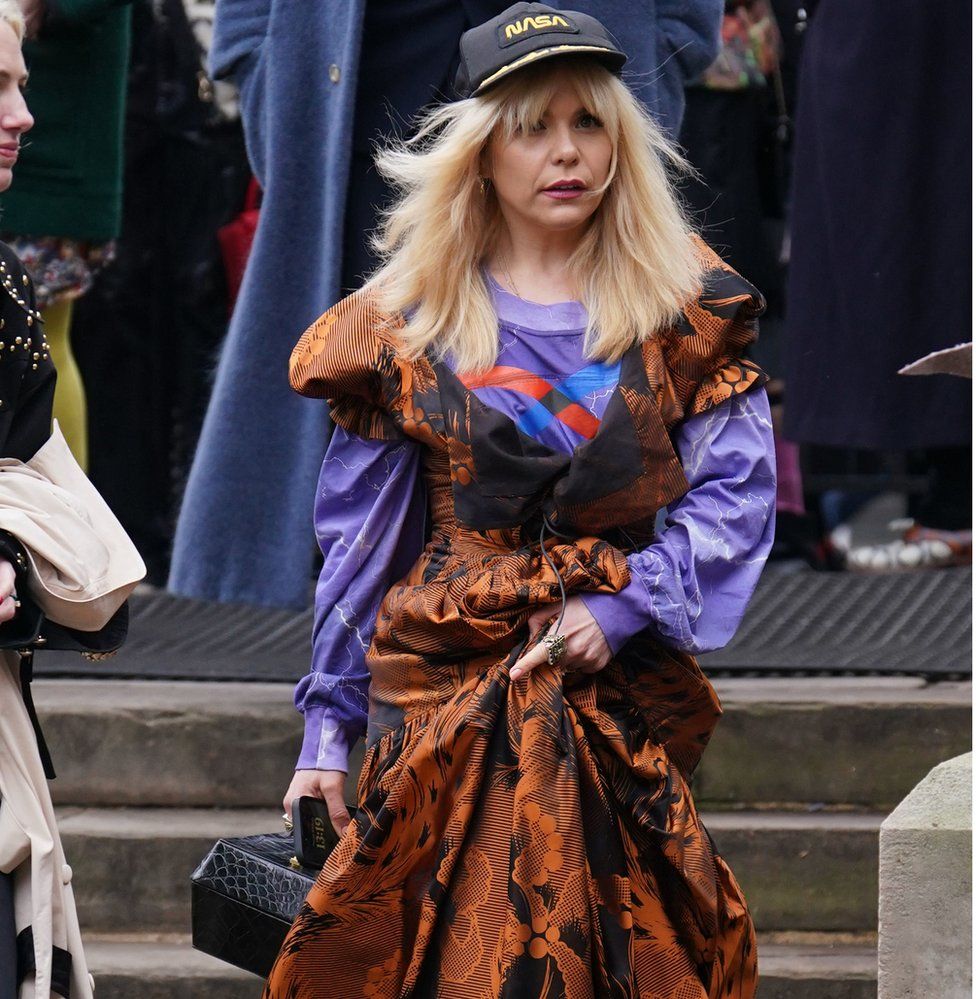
x: 586, y: 648
x: 8, y: 603
x: 329, y: 785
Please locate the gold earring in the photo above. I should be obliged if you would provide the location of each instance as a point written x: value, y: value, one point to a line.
x: 484, y: 185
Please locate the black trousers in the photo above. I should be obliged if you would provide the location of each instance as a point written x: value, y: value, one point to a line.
x: 8, y: 939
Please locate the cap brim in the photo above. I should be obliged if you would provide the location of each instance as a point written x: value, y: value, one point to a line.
x: 612, y: 58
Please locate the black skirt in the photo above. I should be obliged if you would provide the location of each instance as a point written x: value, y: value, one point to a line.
x: 8, y: 939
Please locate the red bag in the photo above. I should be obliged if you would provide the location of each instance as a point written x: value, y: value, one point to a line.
x: 236, y: 238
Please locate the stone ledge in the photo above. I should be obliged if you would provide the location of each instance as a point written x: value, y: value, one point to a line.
x: 926, y: 882
x: 815, y: 871
x: 819, y: 971
x: 138, y: 861
x: 837, y: 741
x: 799, y: 872
x: 842, y: 740
x: 163, y: 969
x: 168, y: 968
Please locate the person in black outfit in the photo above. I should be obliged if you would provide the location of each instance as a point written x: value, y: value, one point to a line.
x: 40, y: 942
x: 26, y: 387
x: 880, y: 273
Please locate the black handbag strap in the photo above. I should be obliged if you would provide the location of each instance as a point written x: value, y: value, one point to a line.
x: 26, y: 676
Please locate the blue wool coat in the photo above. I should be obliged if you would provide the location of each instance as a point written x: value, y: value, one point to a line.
x: 245, y: 529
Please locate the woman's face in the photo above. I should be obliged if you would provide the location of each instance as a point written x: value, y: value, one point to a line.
x: 15, y: 119
x: 544, y: 178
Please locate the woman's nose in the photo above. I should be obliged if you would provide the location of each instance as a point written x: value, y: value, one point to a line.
x: 17, y: 119
x: 565, y: 149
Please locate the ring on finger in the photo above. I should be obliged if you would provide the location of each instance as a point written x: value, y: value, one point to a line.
x: 555, y: 648
x: 286, y: 818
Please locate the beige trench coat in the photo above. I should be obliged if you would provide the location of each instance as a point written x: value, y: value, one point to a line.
x: 83, y: 568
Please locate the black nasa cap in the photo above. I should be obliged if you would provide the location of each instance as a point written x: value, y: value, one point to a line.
x: 524, y: 34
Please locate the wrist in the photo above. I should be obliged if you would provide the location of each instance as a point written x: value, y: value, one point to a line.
x: 326, y: 745
x: 620, y: 615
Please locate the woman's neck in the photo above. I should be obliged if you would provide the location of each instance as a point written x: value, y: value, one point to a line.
x: 535, y: 267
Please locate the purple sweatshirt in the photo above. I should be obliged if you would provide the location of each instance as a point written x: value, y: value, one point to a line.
x: 691, y: 585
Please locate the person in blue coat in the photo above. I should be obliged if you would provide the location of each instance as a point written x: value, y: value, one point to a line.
x: 318, y: 83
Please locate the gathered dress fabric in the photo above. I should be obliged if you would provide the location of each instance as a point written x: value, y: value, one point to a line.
x: 537, y: 838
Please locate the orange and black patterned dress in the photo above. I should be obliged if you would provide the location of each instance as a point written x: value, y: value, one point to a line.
x: 536, y: 839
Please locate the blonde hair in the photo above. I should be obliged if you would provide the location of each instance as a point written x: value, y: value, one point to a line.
x: 11, y: 13
x: 635, y: 266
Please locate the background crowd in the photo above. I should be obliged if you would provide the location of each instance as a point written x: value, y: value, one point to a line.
x: 831, y: 146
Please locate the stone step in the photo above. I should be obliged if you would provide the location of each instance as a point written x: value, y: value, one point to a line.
x: 138, y: 861
x: 823, y: 968
x: 803, y: 871
x: 133, y: 742
x: 168, y: 968
x: 834, y: 740
x: 799, y: 871
x: 841, y: 740
x: 163, y: 967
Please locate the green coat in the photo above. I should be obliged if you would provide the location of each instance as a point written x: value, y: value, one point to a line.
x: 68, y: 178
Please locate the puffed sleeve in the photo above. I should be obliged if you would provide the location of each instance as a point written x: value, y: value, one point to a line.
x: 692, y: 585
x: 705, y: 351
x: 349, y: 357
x: 369, y: 521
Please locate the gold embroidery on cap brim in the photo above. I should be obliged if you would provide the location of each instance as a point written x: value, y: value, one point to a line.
x: 538, y: 54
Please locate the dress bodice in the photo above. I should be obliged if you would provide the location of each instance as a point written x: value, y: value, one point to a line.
x: 503, y: 477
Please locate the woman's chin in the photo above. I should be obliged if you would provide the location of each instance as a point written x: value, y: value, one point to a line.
x: 563, y: 219
x: 6, y: 178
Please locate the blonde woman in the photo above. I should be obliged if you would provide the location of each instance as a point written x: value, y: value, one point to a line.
x: 546, y: 360
x: 55, y: 563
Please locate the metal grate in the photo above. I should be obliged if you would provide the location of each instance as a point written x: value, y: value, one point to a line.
x: 798, y: 622
x: 907, y: 622
x: 175, y: 638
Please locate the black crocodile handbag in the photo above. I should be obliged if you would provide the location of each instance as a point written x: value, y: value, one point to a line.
x: 245, y: 894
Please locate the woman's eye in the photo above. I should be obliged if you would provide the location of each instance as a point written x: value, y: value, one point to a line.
x: 589, y: 121
x: 539, y: 126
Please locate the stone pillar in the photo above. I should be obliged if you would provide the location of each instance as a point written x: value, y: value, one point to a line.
x: 925, y: 913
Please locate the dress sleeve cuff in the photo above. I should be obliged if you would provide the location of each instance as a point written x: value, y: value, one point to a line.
x: 620, y: 615
x: 326, y: 745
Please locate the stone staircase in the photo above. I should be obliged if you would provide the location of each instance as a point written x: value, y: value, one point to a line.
x: 793, y: 789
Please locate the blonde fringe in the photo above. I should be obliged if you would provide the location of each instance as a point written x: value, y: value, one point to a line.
x: 11, y: 13
x: 635, y: 266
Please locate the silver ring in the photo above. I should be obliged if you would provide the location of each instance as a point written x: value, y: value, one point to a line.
x: 289, y: 825
x: 555, y: 648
